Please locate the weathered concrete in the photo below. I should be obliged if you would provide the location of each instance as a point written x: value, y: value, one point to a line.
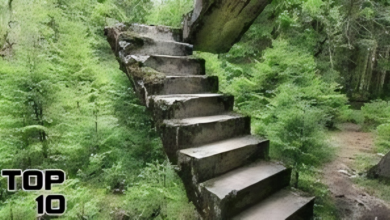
x: 131, y: 44
x: 159, y: 33
x: 224, y: 168
x: 184, y: 85
x: 176, y: 66
x: 191, y: 132
x: 216, y: 25
x: 231, y: 193
x: 281, y: 205
x: 190, y: 105
x: 162, y: 33
x: 211, y: 160
x: 166, y: 65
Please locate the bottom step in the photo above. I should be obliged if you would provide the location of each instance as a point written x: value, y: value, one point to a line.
x: 284, y: 204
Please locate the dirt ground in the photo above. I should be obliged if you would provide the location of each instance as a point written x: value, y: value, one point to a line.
x: 351, y: 201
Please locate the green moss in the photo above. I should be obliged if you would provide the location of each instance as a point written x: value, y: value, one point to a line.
x: 147, y: 74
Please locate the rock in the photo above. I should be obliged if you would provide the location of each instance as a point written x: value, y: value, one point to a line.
x: 215, y: 26
x: 382, y: 169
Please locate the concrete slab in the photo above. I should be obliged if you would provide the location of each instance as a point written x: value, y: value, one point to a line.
x: 284, y: 204
x: 242, y: 178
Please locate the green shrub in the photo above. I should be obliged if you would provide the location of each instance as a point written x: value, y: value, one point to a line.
x: 64, y: 104
x: 169, y: 12
x: 383, y: 138
x: 289, y: 103
x: 351, y: 115
x: 376, y: 112
x: 158, y: 193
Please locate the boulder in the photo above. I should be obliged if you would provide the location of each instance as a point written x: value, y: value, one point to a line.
x: 382, y: 169
x: 216, y: 25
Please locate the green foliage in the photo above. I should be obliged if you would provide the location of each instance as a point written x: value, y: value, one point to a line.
x: 158, y: 193
x: 310, y: 181
x: 136, y: 10
x: 372, y: 116
x: 65, y: 104
x: 289, y: 103
x: 169, y: 12
x: 351, y: 115
x: 383, y: 138
x: 377, y: 112
x: 377, y: 116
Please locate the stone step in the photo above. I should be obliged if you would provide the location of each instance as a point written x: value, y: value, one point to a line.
x: 211, y: 160
x: 218, y: 158
x: 162, y: 33
x: 282, y: 205
x: 180, y: 134
x: 184, y: 85
x: 130, y: 44
x: 229, y: 194
x: 176, y: 65
x: 181, y: 106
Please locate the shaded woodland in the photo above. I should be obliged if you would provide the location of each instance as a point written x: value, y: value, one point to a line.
x: 298, y: 72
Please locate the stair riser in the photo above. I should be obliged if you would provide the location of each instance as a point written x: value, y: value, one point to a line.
x: 213, y: 166
x: 157, y: 32
x: 305, y: 213
x: 234, y: 204
x: 199, y: 107
x: 187, y: 136
x: 177, y: 66
x: 161, y: 48
x: 183, y: 85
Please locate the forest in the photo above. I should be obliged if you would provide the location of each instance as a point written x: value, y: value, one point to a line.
x: 303, y: 71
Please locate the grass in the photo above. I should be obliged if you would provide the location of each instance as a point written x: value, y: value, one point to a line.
x: 379, y: 188
x: 324, y: 207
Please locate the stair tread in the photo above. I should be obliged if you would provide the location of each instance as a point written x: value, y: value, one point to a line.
x: 188, y: 76
x: 201, y: 120
x: 176, y: 57
x: 173, y: 65
x: 280, y: 205
x: 144, y: 46
x: 180, y: 85
x: 242, y: 178
x: 219, y: 147
x: 159, y: 31
x: 180, y: 97
x: 166, y: 41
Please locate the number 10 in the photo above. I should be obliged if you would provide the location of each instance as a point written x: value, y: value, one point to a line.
x: 45, y: 205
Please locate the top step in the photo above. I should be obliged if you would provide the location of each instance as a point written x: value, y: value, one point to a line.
x: 162, y: 33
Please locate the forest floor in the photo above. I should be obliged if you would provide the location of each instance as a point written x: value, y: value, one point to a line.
x: 352, y: 201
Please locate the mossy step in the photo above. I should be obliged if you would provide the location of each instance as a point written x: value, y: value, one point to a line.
x: 164, y: 33
x: 131, y: 44
x: 183, y: 85
x: 185, y: 133
x: 180, y: 106
x: 208, y: 161
x: 176, y: 65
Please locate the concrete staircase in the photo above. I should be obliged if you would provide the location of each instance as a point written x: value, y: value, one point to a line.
x: 224, y: 168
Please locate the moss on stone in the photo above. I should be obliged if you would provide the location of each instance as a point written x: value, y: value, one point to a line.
x: 221, y: 24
